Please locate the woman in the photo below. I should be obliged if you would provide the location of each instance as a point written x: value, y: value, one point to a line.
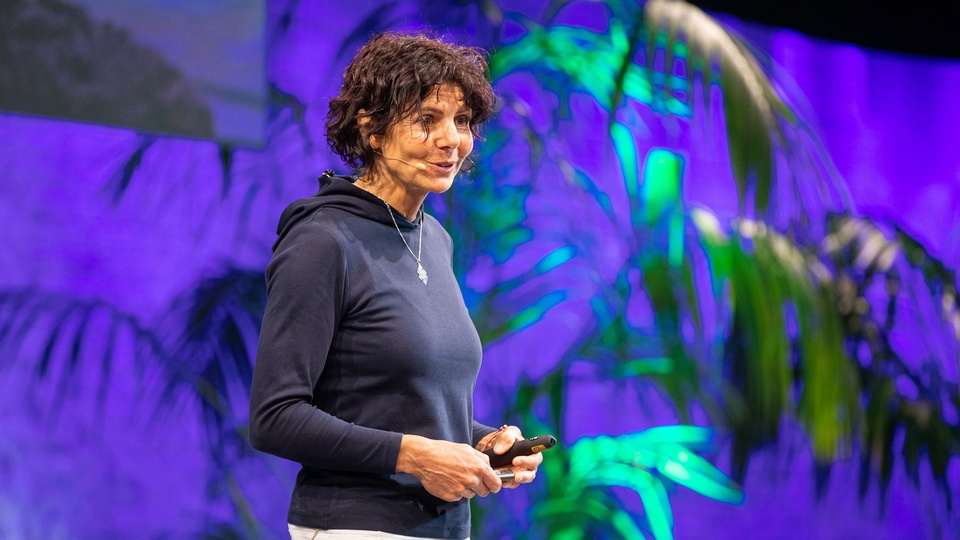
x: 368, y: 357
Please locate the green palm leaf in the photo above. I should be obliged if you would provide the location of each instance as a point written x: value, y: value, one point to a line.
x: 779, y: 323
x: 642, y: 462
x: 591, y: 512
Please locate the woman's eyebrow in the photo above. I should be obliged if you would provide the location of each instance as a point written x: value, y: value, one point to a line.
x: 437, y: 110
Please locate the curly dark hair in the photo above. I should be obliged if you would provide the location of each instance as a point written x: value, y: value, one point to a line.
x: 389, y: 78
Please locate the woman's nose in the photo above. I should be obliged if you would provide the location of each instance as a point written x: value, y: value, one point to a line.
x: 447, y: 135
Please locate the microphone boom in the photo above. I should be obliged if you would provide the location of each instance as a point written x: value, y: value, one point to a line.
x: 418, y: 165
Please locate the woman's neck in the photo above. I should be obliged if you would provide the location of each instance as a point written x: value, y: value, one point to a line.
x: 405, y: 202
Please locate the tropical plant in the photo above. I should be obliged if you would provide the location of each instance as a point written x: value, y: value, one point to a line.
x: 199, y: 354
x: 772, y: 319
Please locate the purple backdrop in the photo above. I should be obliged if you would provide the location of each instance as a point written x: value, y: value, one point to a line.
x: 89, y: 451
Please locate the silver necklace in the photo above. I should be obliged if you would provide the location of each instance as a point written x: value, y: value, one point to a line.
x: 421, y: 273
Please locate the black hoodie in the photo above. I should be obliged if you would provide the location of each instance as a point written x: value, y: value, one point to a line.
x: 354, y: 352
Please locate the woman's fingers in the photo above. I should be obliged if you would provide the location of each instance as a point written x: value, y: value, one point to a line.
x: 447, y: 470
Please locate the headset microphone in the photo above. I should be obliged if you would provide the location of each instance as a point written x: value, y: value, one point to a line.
x: 419, y: 166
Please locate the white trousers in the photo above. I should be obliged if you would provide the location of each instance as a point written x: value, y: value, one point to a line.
x: 303, y: 533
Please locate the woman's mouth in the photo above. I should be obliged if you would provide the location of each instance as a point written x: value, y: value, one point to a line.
x: 445, y: 166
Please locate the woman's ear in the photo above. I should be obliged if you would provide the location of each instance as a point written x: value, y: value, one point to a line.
x: 362, y: 120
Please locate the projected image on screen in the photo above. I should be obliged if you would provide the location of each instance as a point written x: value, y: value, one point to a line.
x: 183, y: 68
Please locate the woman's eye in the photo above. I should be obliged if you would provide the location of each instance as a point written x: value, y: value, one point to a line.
x: 463, y: 121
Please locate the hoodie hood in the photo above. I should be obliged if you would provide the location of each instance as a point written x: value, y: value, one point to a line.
x: 339, y: 192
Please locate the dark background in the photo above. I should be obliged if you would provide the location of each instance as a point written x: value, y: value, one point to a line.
x: 923, y: 27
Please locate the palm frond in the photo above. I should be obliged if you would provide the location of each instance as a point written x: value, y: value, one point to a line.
x: 889, y: 287
x: 752, y: 108
x: 647, y: 462
x: 201, y: 353
x: 212, y: 333
x: 68, y: 333
x: 122, y: 178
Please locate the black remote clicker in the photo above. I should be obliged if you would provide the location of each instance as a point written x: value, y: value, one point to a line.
x: 524, y: 447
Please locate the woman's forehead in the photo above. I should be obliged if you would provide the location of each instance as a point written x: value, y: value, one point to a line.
x: 445, y: 91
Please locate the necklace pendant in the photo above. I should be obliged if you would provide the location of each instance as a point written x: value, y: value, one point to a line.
x: 421, y: 273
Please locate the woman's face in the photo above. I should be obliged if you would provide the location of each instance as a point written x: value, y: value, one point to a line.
x: 420, y: 155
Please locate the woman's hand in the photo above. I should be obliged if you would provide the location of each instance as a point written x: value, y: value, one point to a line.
x: 447, y: 470
x: 524, y: 467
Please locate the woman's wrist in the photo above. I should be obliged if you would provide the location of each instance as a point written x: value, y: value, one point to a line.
x: 410, y: 448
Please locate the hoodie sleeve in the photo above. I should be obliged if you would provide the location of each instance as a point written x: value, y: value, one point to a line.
x: 306, y: 280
